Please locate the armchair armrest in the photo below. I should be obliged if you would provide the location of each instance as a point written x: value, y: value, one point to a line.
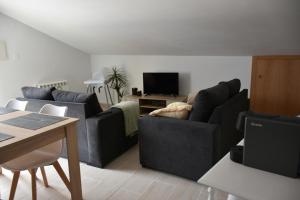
x: 182, y: 147
x: 105, y: 132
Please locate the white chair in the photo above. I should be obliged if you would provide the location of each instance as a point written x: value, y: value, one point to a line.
x: 16, y: 104
x: 47, y: 155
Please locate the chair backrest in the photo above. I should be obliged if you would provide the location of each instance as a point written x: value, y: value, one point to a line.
x: 16, y: 104
x: 98, y: 76
x: 49, y: 109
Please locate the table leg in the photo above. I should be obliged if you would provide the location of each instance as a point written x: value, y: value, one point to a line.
x: 106, y: 95
x: 109, y: 95
x: 73, y: 161
x: 211, y: 193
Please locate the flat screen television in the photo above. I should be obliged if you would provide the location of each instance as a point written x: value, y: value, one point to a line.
x: 161, y: 83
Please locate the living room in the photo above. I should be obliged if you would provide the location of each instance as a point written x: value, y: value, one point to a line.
x: 224, y: 65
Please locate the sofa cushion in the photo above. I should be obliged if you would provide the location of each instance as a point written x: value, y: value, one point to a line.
x: 38, y: 93
x: 206, y: 100
x: 233, y: 85
x: 92, y: 105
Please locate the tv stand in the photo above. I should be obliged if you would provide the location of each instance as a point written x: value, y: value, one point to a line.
x: 148, y: 103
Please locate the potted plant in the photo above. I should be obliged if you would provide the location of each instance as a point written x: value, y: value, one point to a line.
x: 118, y: 81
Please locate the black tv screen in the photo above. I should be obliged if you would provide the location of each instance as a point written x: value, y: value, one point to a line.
x: 161, y: 83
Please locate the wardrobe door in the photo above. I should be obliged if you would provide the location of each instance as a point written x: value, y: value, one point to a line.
x: 275, y: 85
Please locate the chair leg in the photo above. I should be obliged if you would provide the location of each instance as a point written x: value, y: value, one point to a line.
x: 62, y: 174
x: 33, y: 183
x: 0, y: 170
x: 44, y: 176
x: 14, y: 185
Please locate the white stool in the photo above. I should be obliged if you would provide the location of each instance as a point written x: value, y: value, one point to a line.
x: 93, y: 84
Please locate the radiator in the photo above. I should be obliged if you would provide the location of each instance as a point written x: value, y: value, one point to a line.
x: 60, y: 85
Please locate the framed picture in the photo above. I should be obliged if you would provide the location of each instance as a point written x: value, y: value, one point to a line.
x: 3, y: 53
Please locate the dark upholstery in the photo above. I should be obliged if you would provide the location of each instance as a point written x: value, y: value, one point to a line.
x: 226, y: 116
x: 206, y: 100
x: 107, y: 127
x: 190, y: 148
x: 181, y: 147
x: 38, y: 93
x: 233, y: 85
x: 90, y: 100
x: 107, y: 146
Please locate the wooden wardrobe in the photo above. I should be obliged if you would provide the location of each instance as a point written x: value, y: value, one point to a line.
x: 275, y: 85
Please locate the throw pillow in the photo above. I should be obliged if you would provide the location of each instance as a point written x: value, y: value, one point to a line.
x: 38, y: 93
x: 178, y: 110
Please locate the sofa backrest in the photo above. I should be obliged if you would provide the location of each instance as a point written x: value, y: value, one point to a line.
x: 233, y: 85
x: 92, y: 106
x: 207, y: 100
x: 226, y: 116
x: 38, y: 93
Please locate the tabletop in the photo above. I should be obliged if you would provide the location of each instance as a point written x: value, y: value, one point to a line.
x: 250, y: 183
x: 22, y: 135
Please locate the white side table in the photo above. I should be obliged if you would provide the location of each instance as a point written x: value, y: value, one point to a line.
x: 92, y: 84
x: 250, y: 183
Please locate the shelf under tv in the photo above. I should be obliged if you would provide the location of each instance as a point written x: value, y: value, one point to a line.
x: 151, y: 106
x: 148, y: 103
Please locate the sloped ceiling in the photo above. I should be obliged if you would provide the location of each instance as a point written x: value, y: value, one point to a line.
x: 166, y: 27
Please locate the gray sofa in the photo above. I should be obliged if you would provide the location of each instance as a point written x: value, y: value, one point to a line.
x: 101, y: 134
x: 189, y: 148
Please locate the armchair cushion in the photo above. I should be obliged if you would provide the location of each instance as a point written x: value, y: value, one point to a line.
x: 207, y: 100
x: 38, y: 93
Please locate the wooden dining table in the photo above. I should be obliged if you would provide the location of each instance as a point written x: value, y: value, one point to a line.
x: 26, y: 140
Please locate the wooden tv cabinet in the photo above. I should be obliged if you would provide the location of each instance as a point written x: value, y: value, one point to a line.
x: 148, y: 103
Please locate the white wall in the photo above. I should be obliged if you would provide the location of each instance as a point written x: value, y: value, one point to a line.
x: 196, y: 72
x: 34, y: 57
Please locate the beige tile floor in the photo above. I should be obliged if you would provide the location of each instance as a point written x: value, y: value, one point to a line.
x: 123, y: 179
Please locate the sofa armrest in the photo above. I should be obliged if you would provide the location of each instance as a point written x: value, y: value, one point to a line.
x: 105, y: 132
x: 181, y: 147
